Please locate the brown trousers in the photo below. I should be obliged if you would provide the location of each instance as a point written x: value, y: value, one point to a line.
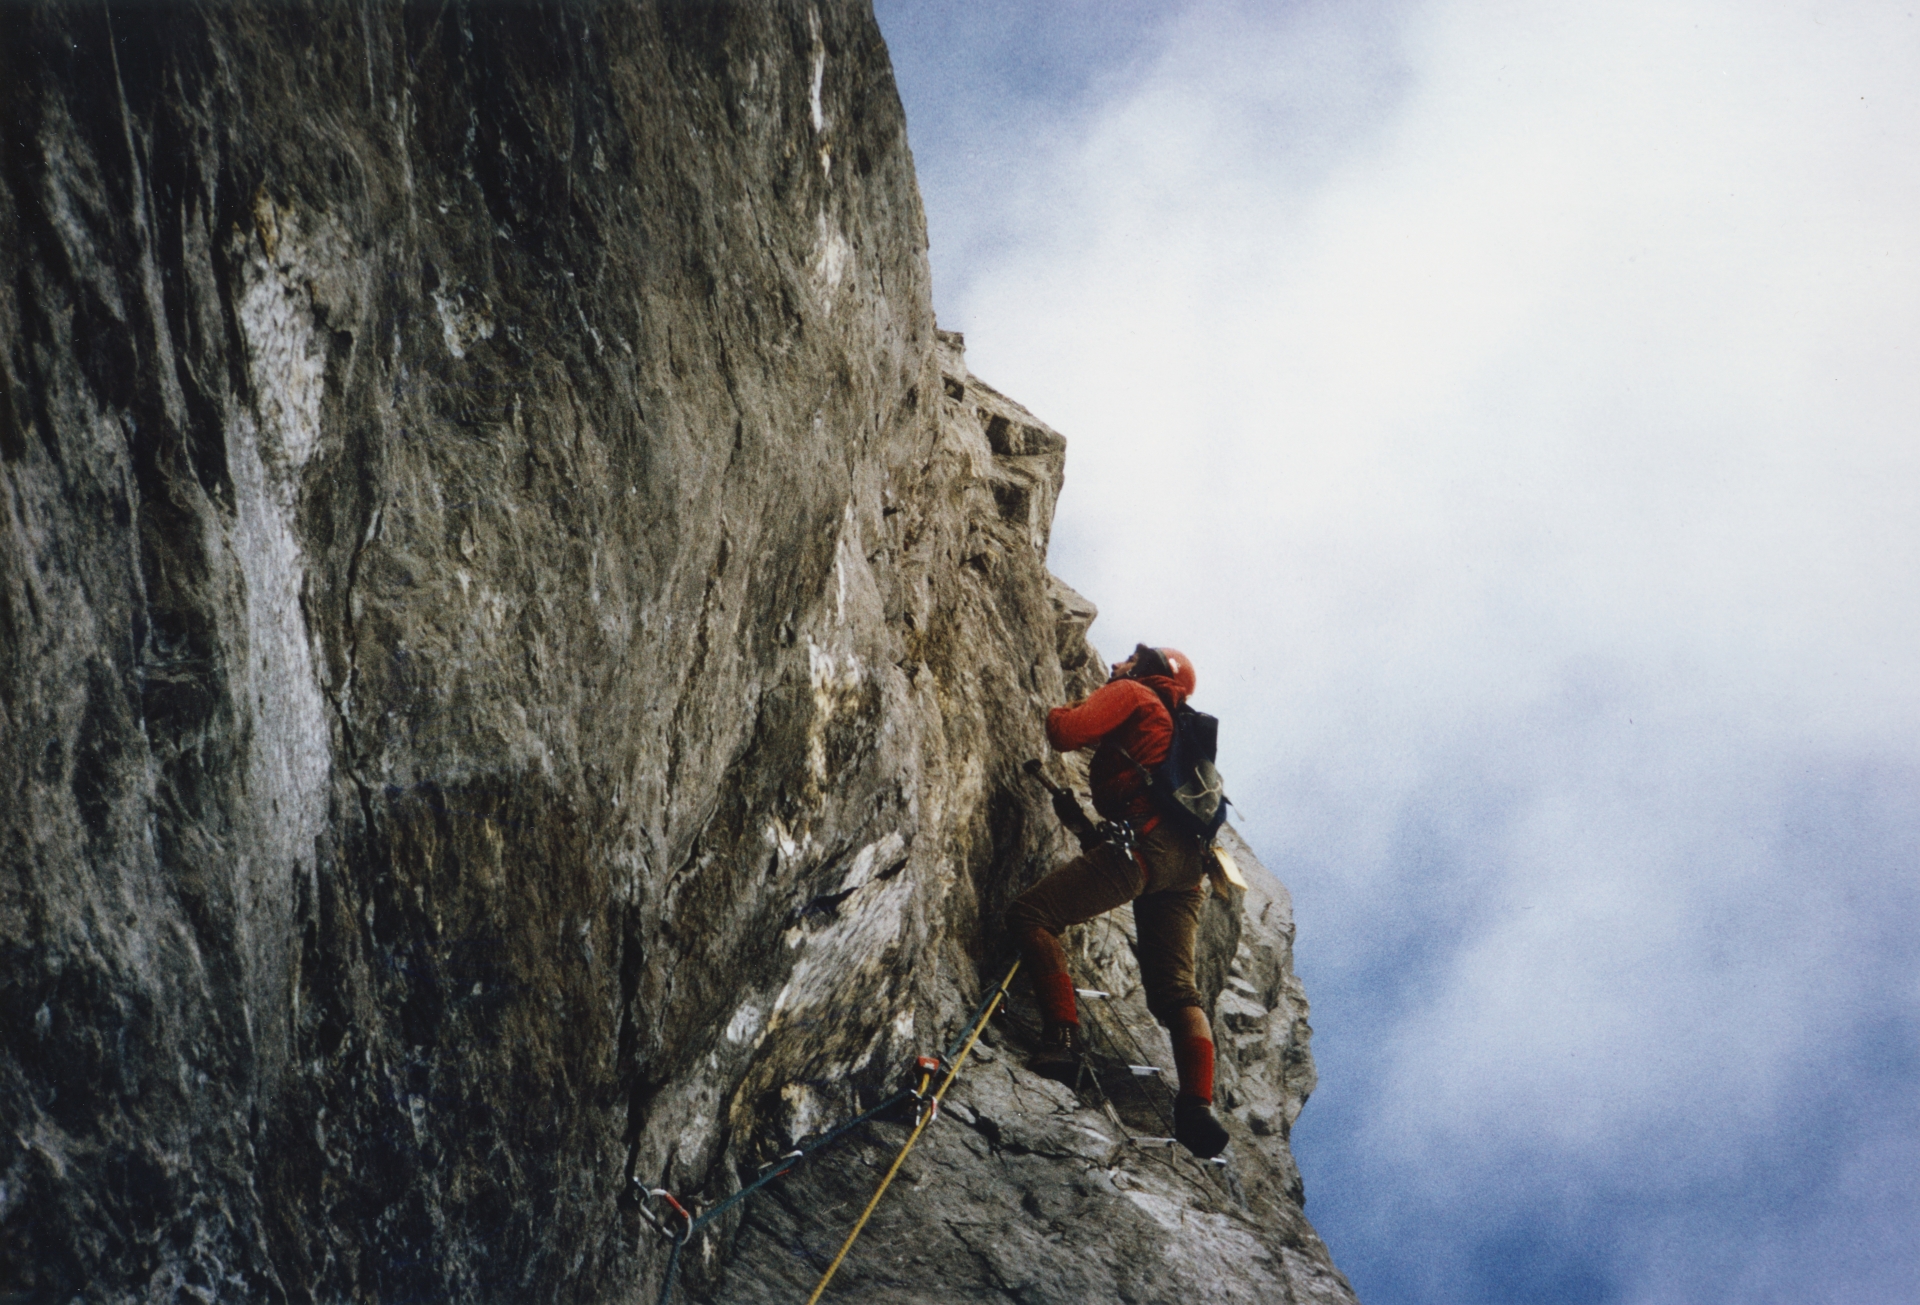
x: 1167, y: 884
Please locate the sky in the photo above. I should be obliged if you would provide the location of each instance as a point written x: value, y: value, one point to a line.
x: 1514, y: 411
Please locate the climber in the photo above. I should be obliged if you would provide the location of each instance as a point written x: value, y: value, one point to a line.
x: 1129, y: 723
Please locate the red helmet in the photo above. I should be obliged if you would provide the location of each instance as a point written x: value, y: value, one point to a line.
x: 1179, y: 669
x: 1169, y: 664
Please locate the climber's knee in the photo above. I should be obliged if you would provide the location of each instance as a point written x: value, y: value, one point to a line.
x: 1166, y: 1004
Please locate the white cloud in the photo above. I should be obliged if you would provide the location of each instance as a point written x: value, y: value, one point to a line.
x: 1530, y: 460
x: 1602, y: 346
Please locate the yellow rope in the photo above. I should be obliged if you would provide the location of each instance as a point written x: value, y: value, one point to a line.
x: 925, y: 1119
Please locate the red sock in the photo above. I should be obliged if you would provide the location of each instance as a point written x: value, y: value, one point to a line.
x: 1193, y: 1057
x: 1055, y: 992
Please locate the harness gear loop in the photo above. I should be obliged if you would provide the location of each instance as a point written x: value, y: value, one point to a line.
x: 1121, y: 834
x: 998, y: 996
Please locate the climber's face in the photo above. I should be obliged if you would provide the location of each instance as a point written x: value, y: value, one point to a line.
x: 1144, y: 661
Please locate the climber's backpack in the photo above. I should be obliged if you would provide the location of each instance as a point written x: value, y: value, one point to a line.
x: 1185, y: 786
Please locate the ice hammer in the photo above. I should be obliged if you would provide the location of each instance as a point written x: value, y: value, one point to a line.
x: 1067, y: 807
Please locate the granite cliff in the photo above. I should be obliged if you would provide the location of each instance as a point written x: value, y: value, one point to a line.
x: 517, y: 641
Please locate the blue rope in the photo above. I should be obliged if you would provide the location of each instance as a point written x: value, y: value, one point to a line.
x: 786, y: 1165
x: 820, y: 1143
x: 825, y: 1139
x: 673, y: 1265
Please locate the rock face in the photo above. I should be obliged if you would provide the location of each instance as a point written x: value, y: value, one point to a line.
x: 517, y: 640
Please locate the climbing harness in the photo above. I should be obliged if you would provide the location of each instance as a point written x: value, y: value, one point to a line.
x: 926, y: 1066
x: 927, y: 1117
x: 1120, y: 833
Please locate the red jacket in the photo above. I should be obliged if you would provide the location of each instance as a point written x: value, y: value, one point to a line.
x: 1132, y: 715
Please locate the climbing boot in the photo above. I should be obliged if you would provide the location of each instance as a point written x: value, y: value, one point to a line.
x: 1062, y: 1054
x: 1195, y: 1128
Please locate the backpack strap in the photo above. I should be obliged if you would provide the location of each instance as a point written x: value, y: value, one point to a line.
x: 1173, y: 721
